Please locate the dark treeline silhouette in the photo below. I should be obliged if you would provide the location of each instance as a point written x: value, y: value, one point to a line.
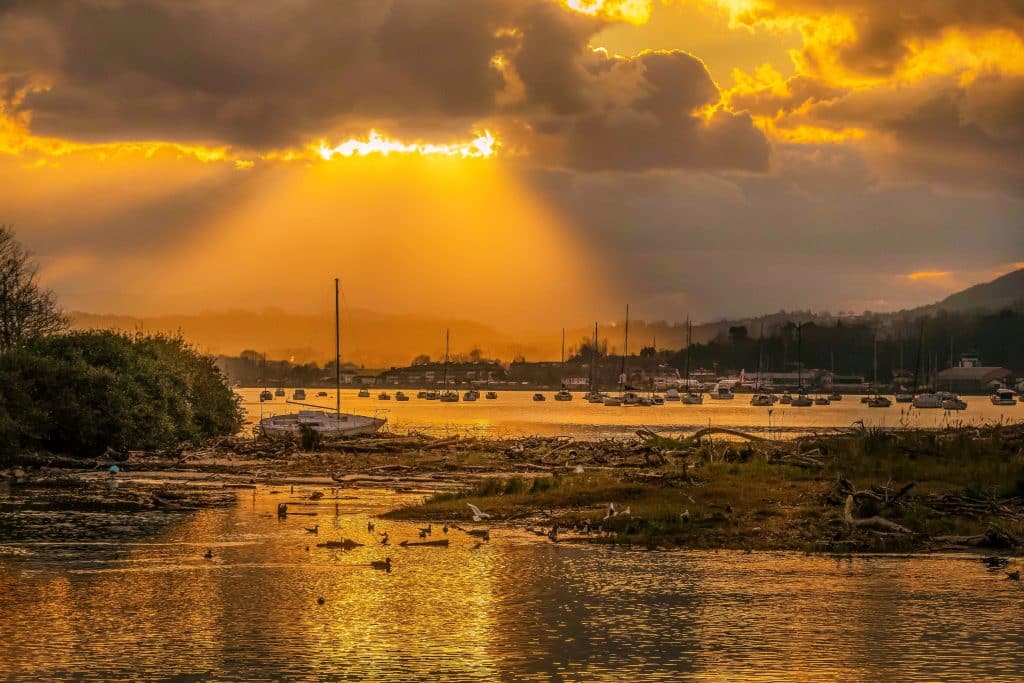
x: 919, y: 345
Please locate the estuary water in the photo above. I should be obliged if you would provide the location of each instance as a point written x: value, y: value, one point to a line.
x: 515, y: 413
x: 517, y: 608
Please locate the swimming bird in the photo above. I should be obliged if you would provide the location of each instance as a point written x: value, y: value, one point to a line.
x: 385, y: 565
x: 307, y: 548
x: 312, y: 529
x: 478, y: 514
x: 209, y: 554
x: 320, y: 600
x: 482, y: 533
x: 369, y: 527
x: 1013, y: 576
x: 425, y: 531
x: 445, y: 527
x: 995, y: 562
x: 611, y: 511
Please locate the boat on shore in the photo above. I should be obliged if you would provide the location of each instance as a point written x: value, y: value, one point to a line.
x: 322, y: 422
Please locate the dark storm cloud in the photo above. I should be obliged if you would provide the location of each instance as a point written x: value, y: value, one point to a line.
x: 885, y: 31
x: 270, y: 75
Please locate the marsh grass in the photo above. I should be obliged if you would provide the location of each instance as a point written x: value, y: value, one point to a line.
x: 706, y: 501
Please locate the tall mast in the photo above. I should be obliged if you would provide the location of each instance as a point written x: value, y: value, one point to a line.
x: 593, y: 359
x: 337, y: 350
x: 687, y: 364
x: 563, y: 346
x: 799, y: 358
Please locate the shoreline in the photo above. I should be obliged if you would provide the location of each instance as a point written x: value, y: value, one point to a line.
x: 851, y: 491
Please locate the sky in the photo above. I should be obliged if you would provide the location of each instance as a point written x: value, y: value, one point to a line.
x: 523, y: 163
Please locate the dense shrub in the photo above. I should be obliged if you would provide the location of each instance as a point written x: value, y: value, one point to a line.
x: 85, y: 392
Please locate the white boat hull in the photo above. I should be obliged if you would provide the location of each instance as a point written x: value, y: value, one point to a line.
x: 324, y: 423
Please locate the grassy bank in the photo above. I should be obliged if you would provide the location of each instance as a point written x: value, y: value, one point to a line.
x: 931, y: 490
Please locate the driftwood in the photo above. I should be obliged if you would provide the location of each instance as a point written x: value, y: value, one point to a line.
x: 443, y: 543
x: 871, y: 523
x: 344, y: 543
x: 994, y: 537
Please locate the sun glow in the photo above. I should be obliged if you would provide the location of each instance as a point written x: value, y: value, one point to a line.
x: 483, y: 146
x: 631, y: 11
x: 928, y: 275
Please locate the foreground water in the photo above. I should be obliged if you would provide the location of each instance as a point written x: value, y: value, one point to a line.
x: 515, y: 413
x: 517, y: 608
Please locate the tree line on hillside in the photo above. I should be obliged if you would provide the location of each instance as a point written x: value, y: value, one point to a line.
x: 89, y: 393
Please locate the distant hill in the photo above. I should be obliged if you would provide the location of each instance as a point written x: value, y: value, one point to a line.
x: 380, y: 340
x: 1003, y: 292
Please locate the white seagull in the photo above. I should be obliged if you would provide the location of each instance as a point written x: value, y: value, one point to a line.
x: 478, y: 514
x: 611, y: 511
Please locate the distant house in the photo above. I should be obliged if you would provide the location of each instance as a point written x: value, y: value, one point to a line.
x: 431, y: 374
x: 972, y: 379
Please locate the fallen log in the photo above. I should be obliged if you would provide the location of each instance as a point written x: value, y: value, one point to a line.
x: 443, y: 543
x: 876, y: 523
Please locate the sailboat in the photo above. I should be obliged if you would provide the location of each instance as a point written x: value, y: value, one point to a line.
x: 447, y: 395
x: 925, y: 400
x: 691, y: 397
x: 625, y: 397
x: 802, y: 400
x: 323, y: 422
x: 593, y: 396
x: 876, y: 401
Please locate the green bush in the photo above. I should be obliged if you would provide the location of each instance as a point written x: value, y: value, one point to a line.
x: 84, y: 392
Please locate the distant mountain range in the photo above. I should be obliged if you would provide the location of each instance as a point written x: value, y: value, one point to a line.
x: 378, y: 340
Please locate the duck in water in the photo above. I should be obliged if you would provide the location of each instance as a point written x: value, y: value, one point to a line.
x: 209, y: 554
x: 312, y: 529
x: 384, y: 565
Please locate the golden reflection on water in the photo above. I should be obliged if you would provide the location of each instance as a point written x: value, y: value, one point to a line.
x: 518, y: 608
x: 515, y: 413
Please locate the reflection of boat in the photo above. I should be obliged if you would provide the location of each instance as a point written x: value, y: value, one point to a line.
x: 1003, y: 397
x: 491, y: 395
x: 722, y: 393
x: 299, y: 395
x: 400, y: 396
x: 878, y: 401
x: 927, y: 401
x: 563, y: 395
x: 265, y: 395
x: 762, y: 400
x: 279, y: 392
x: 322, y: 422
x: 539, y: 397
x: 672, y: 394
x: 364, y: 393
x: 471, y: 395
